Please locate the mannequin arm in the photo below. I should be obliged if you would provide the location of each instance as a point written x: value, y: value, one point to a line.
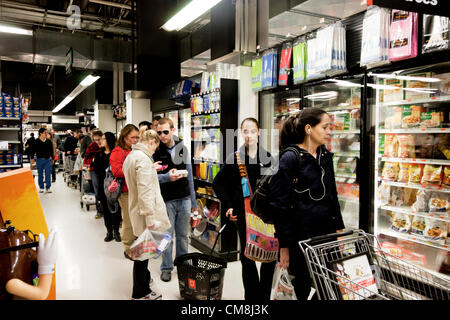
x: 19, y: 288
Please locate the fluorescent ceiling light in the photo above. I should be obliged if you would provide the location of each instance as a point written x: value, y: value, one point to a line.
x: 189, y: 13
x: 15, y: 30
x: 90, y: 79
x: 394, y: 76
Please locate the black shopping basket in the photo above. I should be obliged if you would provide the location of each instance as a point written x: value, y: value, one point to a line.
x: 200, y: 276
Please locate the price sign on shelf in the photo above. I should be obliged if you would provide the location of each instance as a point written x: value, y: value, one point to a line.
x: 3, y: 145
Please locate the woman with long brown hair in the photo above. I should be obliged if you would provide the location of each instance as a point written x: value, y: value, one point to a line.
x: 129, y: 135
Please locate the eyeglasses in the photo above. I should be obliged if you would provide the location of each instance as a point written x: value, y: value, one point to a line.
x: 166, y: 132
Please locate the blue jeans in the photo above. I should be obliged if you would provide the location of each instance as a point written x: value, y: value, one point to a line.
x: 44, y: 165
x: 179, y: 212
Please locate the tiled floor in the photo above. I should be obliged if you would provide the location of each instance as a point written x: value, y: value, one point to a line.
x: 90, y: 269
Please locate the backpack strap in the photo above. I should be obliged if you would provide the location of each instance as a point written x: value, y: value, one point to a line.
x: 299, y: 156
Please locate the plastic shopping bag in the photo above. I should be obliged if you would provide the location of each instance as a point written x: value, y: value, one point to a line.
x: 282, y: 288
x: 150, y: 244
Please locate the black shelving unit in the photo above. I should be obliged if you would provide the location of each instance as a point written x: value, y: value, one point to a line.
x: 11, y: 131
x: 227, y: 246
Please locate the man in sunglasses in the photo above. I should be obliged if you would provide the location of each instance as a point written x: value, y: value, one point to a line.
x: 177, y: 191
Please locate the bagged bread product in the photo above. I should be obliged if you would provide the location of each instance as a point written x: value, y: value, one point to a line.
x: 401, y: 222
x: 439, y: 203
x: 446, y: 177
x: 384, y: 193
x: 415, y: 173
x: 422, y: 199
x: 390, y: 145
x: 432, y: 175
x: 406, y: 146
x: 423, y: 146
x: 409, y: 196
x: 418, y: 225
x: 435, y: 230
x: 390, y: 171
x: 403, y: 175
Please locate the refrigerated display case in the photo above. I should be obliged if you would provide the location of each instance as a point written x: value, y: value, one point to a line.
x: 276, y: 107
x: 342, y: 100
x: 412, y: 164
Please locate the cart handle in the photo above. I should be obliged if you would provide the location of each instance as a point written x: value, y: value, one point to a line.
x: 330, y: 236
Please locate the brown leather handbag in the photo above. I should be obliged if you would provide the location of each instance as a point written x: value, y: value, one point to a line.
x: 17, y: 258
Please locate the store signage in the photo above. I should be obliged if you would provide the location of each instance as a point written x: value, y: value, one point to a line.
x: 69, y: 62
x: 434, y: 7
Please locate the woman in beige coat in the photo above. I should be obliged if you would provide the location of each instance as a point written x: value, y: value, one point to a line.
x: 145, y: 204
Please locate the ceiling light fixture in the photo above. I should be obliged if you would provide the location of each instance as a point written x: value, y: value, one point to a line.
x: 15, y: 30
x: 90, y: 79
x: 189, y: 13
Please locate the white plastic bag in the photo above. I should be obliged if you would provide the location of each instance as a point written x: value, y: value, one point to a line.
x: 150, y: 244
x: 282, y: 288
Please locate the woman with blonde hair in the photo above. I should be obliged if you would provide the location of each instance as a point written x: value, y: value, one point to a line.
x: 146, y: 206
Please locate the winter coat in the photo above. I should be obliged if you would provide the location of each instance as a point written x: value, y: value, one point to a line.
x: 90, y: 155
x: 116, y: 159
x: 297, y: 215
x: 145, y: 202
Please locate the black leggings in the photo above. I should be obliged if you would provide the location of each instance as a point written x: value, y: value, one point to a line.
x: 299, y: 269
x: 141, y: 279
x: 257, y: 288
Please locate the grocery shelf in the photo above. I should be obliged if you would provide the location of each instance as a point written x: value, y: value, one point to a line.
x: 2, y: 166
x: 417, y: 101
x: 9, y: 129
x: 416, y: 130
x: 432, y: 215
x: 334, y: 132
x: 415, y: 186
x: 203, y: 180
x: 416, y: 160
x: 12, y: 119
x: 205, y: 93
x: 202, y: 113
x: 413, y: 238
x: 208, y: 197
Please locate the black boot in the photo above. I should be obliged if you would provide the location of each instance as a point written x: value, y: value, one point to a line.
x: 109, y: 236
x: 116, y: 235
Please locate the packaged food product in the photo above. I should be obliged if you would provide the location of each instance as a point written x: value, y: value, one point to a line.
x: 393, y: 118
x: 446, y: 177
x: 410, y: 116
x: 390, y: 171
x: 384, y: 193
x: 355, y: 119
x: 396, y: 94
x: 439, y: 203
x: 430, y: 119
x: 417, y: 93
x: 403, y: 175
x: 418, y: 225
x: 415, y: 173
x: 443, y: 86
x: 435, y: 230
x: 441, y: 147
x: 406, y: 148
x: 432, y: 175
x: 401, y: 222
x: 397, y: 197
x: 390, y: 145
x: 382, y: 144
x: 409, y: 196
x: 422, y: 200
x: 342, y: 121
x: 423, y: 146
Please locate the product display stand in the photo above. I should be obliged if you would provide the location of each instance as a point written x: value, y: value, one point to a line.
x: 213, y: 112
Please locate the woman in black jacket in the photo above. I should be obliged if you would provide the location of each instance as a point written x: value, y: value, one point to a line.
x: 303, y: 193
x: 227, y: 186
x: 100, y: 164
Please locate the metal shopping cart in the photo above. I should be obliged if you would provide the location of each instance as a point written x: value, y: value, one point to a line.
x: 356, y: 268
x: 70, y: 176
x: 87, y: 196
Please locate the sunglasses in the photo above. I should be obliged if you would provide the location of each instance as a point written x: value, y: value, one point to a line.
x: 166, y: 132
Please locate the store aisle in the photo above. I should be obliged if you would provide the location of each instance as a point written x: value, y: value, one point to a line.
x: 89, y: 268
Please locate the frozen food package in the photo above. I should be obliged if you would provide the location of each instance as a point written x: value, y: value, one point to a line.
x: 401, y: 222
x: 409, y: 196
x: 403, y: 175
x: 257, y: 73
x: 415, y: 89
x: 443, y: 86
x: 397, y: 197
x: 446, y: 177
x: 435, y: 33
x: 285, y: 63
x: 390, y: 145
x: 411, y: 116
x: 393, y: 91
x: 393, y: 118
x: 415, y: 173
x: 390, y: 171
x: 403, y: 35
x: 423, y: 146
x: 406, y: 147
x: 435, y: 230
x: 418, y: 225
x: 430, y: 120
x: 384, y: 193
x: 439, y: 202
x: 432, y: 175
x: 441, y: 147
x: 422, y: 200
x: 269, y: 69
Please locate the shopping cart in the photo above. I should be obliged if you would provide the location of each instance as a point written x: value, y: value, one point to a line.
x: 87, y: 196
x: 70, y: 174
x: 355, y: 268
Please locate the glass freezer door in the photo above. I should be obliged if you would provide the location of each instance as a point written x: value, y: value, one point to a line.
x: 412, y: 164
x: 342, y: 100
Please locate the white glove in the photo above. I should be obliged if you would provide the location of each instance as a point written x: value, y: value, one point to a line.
x: 47, y: 253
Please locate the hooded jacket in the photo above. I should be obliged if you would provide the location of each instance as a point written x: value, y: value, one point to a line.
x: 145, y: 203
x: 309, y: 206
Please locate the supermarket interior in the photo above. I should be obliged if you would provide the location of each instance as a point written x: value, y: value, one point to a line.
x: 78, y: 78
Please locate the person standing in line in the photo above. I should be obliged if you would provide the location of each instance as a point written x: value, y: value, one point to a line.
x: 303, y: 192
x: 89, y: 156
x: 155, y: 122
x: 146, y: 205
x: 29, y: 146
x: 86, y: 141
x: 177, y: 191
x: 227, y: 186
x: 129, y: 135
x: 52, y: 139
x: 100, y: 164
x: 43, y: 148
x: 145, y: 123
